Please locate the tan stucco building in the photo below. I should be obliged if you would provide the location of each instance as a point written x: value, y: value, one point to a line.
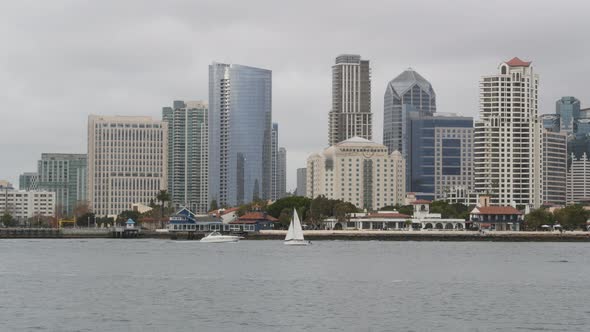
x: 358, y: 171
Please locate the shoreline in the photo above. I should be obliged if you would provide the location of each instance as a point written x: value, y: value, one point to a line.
x: 323, y: 235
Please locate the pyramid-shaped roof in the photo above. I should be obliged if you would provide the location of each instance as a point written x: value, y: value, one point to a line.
x: 406, y: 80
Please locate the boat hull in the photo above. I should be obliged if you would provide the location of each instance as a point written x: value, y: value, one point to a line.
x: 297, y: 243
x: 219, y: 240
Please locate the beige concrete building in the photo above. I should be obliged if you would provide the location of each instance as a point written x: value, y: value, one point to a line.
x: 358, y: 171
x: 127, y: 162
x: 508, y: 141
x: 23, y: 204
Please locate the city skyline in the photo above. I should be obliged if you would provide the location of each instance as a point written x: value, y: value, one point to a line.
x: 53, y: 80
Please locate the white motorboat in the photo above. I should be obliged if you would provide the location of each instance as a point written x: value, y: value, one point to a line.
x: 216, y: 237
x: 295, y: 233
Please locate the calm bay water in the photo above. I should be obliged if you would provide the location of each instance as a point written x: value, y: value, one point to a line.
x: 157, y: 285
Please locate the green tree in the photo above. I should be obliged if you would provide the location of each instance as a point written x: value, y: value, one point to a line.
x: 536, y: 218
x: 8, y: 220
x: 84, y: 219
x: 213, y: 206
x: 405, y: 209
x: 293, y: 202
x: 455, y: 211
x: 341, y: 209
x: 129, y: 214
x: 163, y: 196
x: 285, y: 218
x: 572, y: 217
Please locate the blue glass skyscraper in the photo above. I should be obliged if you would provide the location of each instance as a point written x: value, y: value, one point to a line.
x: 440, y: 150
x: 240, y: 115
x: 568, y: 109
x: 407, y: 92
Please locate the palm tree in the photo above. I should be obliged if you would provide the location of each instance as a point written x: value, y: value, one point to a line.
x: 163, y: 196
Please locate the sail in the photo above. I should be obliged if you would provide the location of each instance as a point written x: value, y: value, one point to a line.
x: 297, y: 231
x: 290, y: 232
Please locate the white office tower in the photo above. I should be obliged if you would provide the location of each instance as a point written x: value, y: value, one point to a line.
x: 351, y: 99
x: 24, y: 204
x: 127, y: 162
x: 508, y: 148
x: 358, y: 171
x: 578, y: 180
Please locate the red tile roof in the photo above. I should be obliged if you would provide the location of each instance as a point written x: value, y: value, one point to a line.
x: 388, y: 215
x: 496, y: 210
x: 253, y: 217
x: 516, y: 62
x: 421, y: 201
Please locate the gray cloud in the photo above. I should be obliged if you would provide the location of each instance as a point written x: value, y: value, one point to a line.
x: 62, y: 60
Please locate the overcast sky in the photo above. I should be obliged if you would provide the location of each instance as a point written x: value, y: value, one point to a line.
x: 62, y: 60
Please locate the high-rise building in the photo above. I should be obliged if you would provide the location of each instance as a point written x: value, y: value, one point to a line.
x: 554, y: 167
x: 301, y: 182
x: 578, y: 180
x: 127, y: 162
x: 440, y: 154
x: 351, y: 99
x: 508, y: 154
x: 66, y: 175
x: 568, y: 109
x: 551, y: 122
x: 408, y: 92
x: 188, y: 154
x: 240, y: 111
x: 282, y: 173
x: 274, y: 153
x: 358, y: 171
x: 28, y: 181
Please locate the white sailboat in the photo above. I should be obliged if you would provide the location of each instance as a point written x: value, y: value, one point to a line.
x: 295, y: 233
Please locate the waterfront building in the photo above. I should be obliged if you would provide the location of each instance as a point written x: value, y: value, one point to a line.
x: 240, y: 111
x: 185, y: 220
x: 578, y: 180
x: 393, y: 220
x: 408, y: 92
x: 188, y: 154
x: 495, y: 218
x: 358, y: 171
x: 127, y: 162
x: 508, y: 147
x: 351, y: 99
x: 66, y: 175
x: 568, y: 109
x: 551, y: 122
x: 439, y: 153
x: 554, y: 167
x: 28, y: 181
x: 253, y: 222
x: 24, y: 204
x: 301, y: 182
